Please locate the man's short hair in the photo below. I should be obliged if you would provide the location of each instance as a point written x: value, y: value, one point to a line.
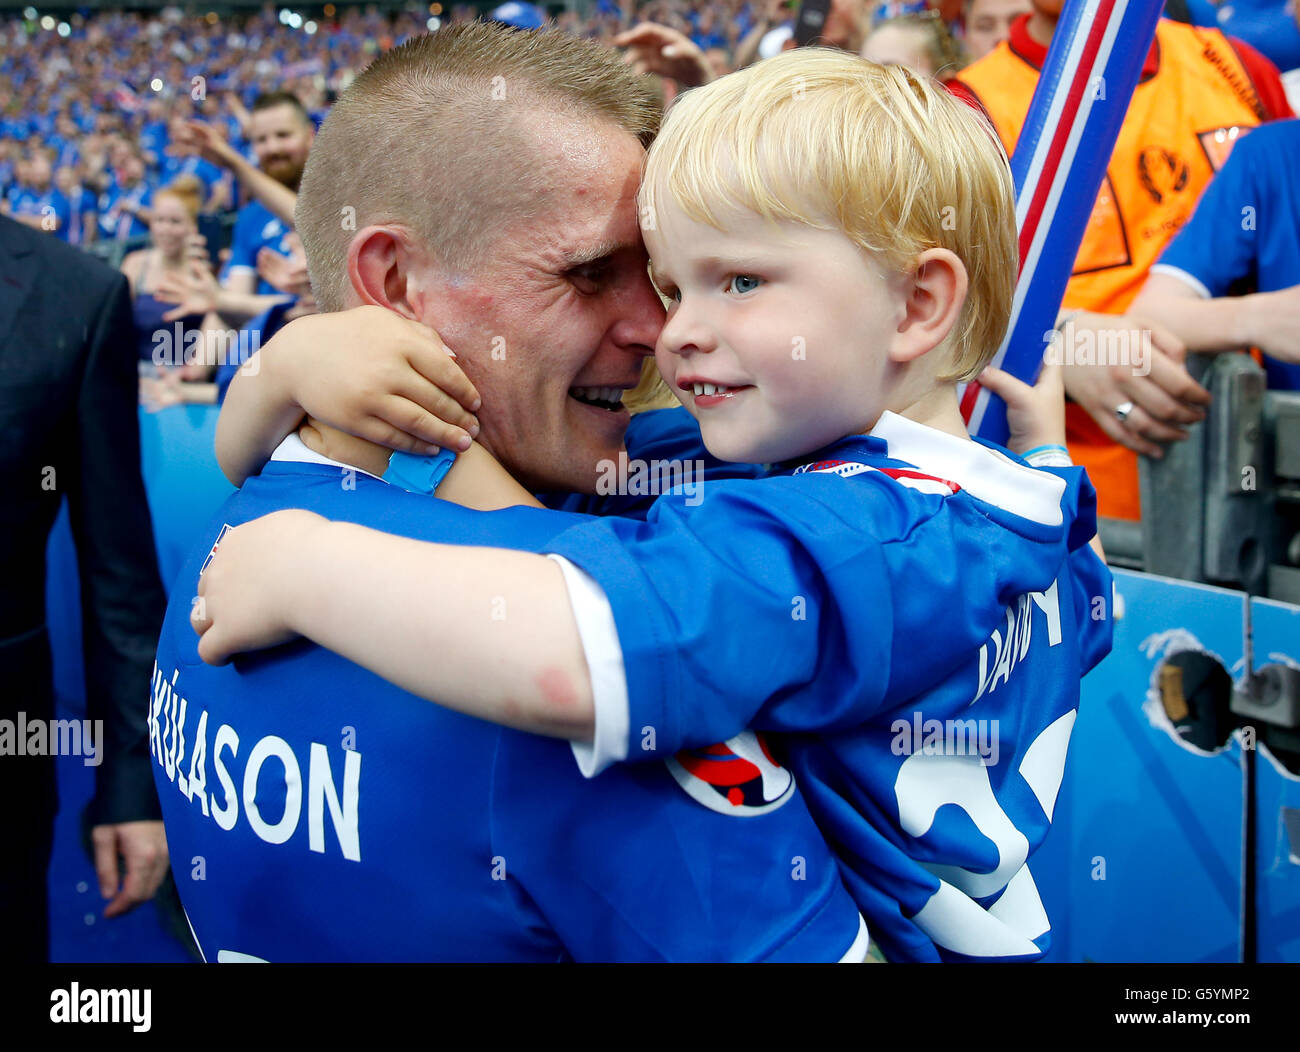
x: 883, y: 154
x: 269, y: 100
x: 434, y: 136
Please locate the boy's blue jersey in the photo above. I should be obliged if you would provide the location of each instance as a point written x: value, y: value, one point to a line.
x: 914, y: 612
x: 315, y: 812
x: 256, y: 228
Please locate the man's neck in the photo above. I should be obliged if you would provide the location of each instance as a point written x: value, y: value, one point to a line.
x: 346, y: 449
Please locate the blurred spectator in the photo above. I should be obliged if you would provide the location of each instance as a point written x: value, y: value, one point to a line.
x: 181, y: 159
x: 35, y: 201
x: 1198, y: 94
x: 82, y: 217
x: 919, y: 41
x: 124, y: 206
x: 281, y: 133
x: 161, y: 339
x: 988, y: 23
x: 1245, y: 232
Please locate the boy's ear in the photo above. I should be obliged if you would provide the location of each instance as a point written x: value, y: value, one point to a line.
x: 934, y: 294
x: 383, y: 262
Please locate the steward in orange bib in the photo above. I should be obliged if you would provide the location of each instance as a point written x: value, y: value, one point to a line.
x: 1199, y: 92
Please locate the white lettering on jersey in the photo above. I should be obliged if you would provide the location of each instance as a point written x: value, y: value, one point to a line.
x: 166, y: 718
x: 1007, y: 646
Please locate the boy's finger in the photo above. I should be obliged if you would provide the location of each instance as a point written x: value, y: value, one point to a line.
x: 445, y: 425
x: 1003, y: 384
x: 383, y: 432
x: 435, y: 364
x: 437, y: 403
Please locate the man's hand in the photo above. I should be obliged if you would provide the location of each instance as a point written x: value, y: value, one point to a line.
x: 288, y: 274
x: 1160, y: 402
x: 143, y: 847
x: 208, y: 140
x: 652, y: 48
x: 245, y: 595
x: 160, y: 391
x: 194, y: 291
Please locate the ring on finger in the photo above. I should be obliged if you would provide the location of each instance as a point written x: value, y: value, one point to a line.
x: 1123, y: 410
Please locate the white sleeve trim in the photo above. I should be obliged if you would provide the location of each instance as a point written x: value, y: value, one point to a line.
x: 604, y: 653
x: 857, y: 953
x: 1190, y: 280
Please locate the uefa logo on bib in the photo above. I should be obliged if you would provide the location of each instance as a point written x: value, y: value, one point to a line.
x: 739, y: 777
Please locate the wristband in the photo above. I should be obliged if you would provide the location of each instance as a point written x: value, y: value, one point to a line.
x: 417, y: 474
x: 1048, y: 456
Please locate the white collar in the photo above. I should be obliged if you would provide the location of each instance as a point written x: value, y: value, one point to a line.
x: 982, y: 472
x: 294, y: 449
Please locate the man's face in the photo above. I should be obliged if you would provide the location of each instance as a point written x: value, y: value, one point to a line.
x: 562, y: 307
x: 988, y: 23
x: 281, y: 140
x: 38, y: 171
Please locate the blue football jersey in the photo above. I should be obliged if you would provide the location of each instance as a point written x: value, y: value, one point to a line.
x: 914, y: 612
x: 315, y: 812
x: 256, y: 228
x: 1246, y: 228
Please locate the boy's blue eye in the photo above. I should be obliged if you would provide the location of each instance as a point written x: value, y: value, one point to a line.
x: 743, y: 283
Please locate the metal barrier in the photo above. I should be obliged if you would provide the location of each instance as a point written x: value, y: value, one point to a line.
x: 1223, y: 507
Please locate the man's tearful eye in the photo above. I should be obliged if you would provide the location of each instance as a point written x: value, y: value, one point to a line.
x: 589, y: 279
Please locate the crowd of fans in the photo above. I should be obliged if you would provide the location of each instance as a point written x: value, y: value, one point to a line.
x: 140, y: 130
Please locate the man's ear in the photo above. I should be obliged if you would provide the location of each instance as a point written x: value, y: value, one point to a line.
x: 382, y: 265
x: 934, y: 294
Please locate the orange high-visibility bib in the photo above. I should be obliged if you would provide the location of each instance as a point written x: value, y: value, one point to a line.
x: 1179, y: 129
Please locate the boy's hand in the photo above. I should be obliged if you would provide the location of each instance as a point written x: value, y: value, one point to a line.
x: 378, y: 376
x: 1035, y: 415
x: 245, y: 599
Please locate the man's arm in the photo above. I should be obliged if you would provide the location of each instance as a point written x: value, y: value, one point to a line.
x: 122, y: 604
x: 278, y: 198
x: 1267, y: 320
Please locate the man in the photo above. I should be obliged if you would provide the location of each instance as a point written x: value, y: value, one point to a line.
x: 281, y: 133
x: 492, y: 176
x: 68, y: 423
x: 1245, y: 232
x: 39, y: 204
x: 988, y: 23
x: 1198, y: 93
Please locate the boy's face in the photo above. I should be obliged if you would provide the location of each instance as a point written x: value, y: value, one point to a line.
x: 793, y: 323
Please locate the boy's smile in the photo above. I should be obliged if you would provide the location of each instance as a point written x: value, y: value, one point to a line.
x: 778, y: 333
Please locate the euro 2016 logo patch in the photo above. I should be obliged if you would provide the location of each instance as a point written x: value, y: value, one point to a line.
x: 739, y: 777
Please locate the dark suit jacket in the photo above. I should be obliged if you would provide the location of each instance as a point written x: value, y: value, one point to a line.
x: 68, y: 427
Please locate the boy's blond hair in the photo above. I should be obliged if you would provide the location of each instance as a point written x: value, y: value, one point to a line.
x: 890, y: 158
x: 437, y: 135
